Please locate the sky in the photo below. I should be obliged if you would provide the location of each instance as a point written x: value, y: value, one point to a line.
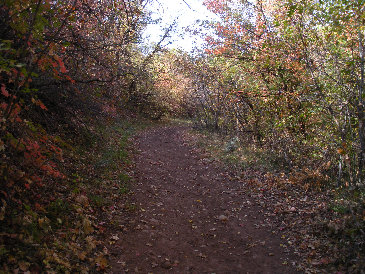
x: 186, y: 13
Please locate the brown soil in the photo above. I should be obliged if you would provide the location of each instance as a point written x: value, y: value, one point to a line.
x: 191, y: 216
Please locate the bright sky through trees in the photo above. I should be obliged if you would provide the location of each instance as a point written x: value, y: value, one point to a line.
x: 186, y: 13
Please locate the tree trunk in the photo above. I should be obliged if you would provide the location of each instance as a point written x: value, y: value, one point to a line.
x: 361, y: 118
x: 360, y: 108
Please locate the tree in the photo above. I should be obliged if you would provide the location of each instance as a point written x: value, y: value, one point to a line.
x: 301, y: 69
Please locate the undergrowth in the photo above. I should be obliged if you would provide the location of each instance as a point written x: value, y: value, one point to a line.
x: 323, y: 224
x: 62, y: 227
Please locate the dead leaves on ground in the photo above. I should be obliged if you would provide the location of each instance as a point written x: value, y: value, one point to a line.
x: 308, y: 222
x: 323, y: 225
x: 64, y: 230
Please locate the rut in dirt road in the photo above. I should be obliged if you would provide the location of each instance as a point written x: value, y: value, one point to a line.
x: 191, y: 218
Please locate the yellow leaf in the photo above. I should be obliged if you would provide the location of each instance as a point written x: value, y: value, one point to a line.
x: 88, y: 229
x: 23, y: 266
x: 101, y: 262
x: 82, y: 255
x: 91, y: 243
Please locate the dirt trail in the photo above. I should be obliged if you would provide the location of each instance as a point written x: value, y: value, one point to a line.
x: 190, y: 217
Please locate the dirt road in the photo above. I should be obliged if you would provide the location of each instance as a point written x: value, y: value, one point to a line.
x: 191, y: 216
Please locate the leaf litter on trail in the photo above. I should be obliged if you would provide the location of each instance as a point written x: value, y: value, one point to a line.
x: 202, y: 205
x: 313, y: 220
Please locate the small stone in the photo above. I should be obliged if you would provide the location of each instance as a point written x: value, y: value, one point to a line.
x: 122, y: 263
x: 223, y: 218
x: 154, y: 221
x: 114, y: 238
x: 166, y: 264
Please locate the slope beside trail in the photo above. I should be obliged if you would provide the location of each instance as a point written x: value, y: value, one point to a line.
x: 191, y: 216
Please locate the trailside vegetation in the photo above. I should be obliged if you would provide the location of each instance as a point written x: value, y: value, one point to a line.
x: 68, y: 70
x: 285, y: 79
x: 281, y: 81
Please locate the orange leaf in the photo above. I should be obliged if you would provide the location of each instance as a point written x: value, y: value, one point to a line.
x: 41, y: 105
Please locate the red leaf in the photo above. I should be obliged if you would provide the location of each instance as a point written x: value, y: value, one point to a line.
x: 41, y: 105
x: 63, y: 68
x: 3, y: 105
x: 4, y: 91
x: 27, y: 156
x: 70, y: 79
x: 61, y: 64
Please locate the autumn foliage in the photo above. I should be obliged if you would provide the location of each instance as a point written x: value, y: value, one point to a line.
x: 286, y: 77
x: 60, y: 70
x: 276, y: 70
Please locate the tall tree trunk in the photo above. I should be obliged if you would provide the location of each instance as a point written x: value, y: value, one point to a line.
x: 360, y: 108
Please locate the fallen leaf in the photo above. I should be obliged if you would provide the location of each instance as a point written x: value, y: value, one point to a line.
x: 101, y: 262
